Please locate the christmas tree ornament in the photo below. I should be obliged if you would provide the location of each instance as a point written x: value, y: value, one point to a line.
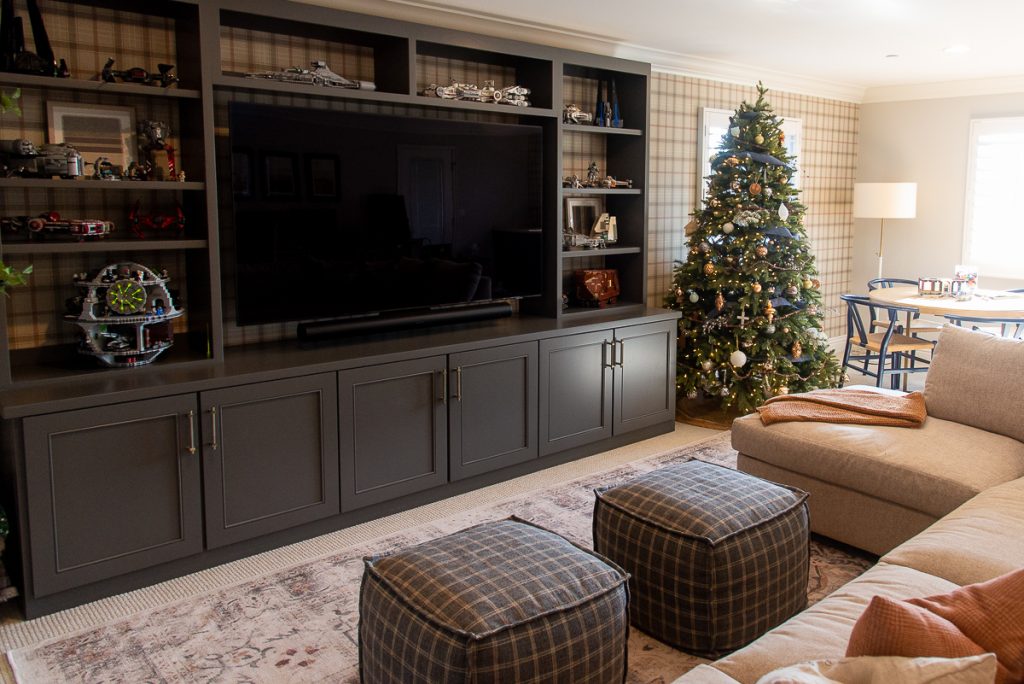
x: 719, y: 301
x: 755, y: 188
x: 738, y: 358
x: 759, y: 139
x: 747, y: 344
x: 756, y: 287
x: 735, y: 186
x: 705, y: 247
x: 724, y: 391
x: 769, y: 329
x: 715, y: 202
x: 709, y: 269
x: 694, y: 297
x: 785, y: 330
x: 792, y: 290
x: 732, y: 161
x: 769, y: 312
x: 808, y: 284
x: 815, y: 283
x: 768, y: 192
x: 691, y: 227
x: 706, y: 364
x: 782, y: 136
x: 796, y: 350
x: 783, y: 390
x: 679, y: 291
x: 761, y: 251
x: 783, y: 212
x: 727, y: 227
x: 692, y: 394
x: 734, y: 131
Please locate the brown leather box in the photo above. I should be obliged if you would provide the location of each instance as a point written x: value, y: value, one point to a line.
x: 597, y: 286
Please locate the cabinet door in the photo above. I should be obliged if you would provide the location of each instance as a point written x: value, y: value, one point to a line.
x: 645, y: 375
x: 492, y: 413
x: 575, y: 391
x: 270, y: 456
x: 111, y: 489
x: 393, y: 430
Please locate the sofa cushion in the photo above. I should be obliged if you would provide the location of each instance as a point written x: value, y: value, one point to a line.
x: 932, y: 469
x: 982, y: 539
x: 975, y: 379
x: 823, y: 630
x: 980, y: 669
x: 979, y: 618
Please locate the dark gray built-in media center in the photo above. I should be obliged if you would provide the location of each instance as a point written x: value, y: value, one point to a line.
x: 242, y: 438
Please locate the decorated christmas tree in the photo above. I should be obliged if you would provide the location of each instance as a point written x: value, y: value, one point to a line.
x: 748, y: 290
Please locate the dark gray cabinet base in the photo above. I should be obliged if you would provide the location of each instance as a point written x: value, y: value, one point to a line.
x: 131, y: 491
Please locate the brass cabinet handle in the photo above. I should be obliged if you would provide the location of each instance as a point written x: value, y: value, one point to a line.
x: 213, y: 428
x: 458, y: 383
x: 191, y: 431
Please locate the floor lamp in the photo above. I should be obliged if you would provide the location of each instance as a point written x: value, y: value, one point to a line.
x: 884, y: 201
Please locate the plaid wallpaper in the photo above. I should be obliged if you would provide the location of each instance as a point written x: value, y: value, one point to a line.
x: 827, y: 162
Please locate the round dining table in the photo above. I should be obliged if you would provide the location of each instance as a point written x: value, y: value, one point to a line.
x: 984, y: 303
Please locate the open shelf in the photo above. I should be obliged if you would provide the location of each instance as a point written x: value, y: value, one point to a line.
x: 71, y: 184
x: 602, y: 191
x: 600, y: 130
x: 263, y: 85
x: 153, y: 245
x: 606, y: 251
x: 29, y: 81
x: 620, y: 307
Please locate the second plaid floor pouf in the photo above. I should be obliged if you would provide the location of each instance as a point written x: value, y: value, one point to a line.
x: 504, y: 601
x: 716, y: 557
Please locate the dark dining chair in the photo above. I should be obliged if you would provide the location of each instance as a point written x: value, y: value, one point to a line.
x: 876, y: 322
x: 1007, y: 327
x: 894, y: 353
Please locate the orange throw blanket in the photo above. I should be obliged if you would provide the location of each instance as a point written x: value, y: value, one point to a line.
x: 859, y: 407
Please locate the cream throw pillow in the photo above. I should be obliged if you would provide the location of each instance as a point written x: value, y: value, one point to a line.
x: 980, y: 669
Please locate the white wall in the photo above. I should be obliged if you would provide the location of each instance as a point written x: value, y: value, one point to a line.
x: 923, y: 141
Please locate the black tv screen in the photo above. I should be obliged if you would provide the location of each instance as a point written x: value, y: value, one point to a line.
x: 346, y: 214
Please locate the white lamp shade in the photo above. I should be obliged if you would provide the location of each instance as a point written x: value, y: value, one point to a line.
x: 884, y: 200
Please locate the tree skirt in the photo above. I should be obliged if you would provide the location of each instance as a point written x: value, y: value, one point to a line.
x: 300, y: 624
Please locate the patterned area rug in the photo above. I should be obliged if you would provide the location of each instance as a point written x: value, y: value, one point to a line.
x: 299, y: 624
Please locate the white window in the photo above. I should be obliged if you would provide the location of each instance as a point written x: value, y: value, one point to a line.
x: 993, y: 224
x: 714, y: 123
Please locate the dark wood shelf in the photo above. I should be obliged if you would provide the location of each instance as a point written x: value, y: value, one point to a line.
x: 29, y: 81
x: 602, y: 191
x: 153, y: 245
x: 68, y: 183
x: 619, y: 308
x: 607, y: 251
x: 600, y: 130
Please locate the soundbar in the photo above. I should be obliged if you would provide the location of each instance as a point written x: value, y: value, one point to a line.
x: 320, y: 330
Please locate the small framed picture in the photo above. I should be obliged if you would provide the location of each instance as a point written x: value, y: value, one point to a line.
x: 281, y: 175
x: 322, y: 172
x: 94, y: 130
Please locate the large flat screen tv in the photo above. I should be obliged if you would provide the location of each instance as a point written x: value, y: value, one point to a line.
x: 342, y: 214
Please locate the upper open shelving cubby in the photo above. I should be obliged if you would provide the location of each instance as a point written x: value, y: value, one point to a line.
x: 438, y: 64
x: 252, y: 43
x: 580, y: 86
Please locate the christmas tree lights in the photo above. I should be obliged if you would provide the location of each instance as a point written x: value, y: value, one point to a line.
x: 748, y: 290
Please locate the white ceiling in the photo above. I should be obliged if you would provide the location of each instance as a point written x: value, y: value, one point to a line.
x: 832, y: 48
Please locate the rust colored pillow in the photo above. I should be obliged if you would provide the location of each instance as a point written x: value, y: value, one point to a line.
x: 974, y: 619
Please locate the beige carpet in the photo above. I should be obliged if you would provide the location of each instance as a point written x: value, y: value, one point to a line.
x: 291, y: 614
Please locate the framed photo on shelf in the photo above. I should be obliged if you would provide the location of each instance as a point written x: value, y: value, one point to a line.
x: 322, y: 174
x: 581, y: 213
x: 281, y: 175
x: 94, y: 130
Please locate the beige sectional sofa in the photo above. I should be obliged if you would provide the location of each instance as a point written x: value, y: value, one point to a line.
x: 943, y: 504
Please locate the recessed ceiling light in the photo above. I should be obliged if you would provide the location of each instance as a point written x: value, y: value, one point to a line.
x: 892, y: 55
x: 957, y: 49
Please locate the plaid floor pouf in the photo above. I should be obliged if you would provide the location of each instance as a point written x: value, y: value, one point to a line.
x: 716, y: 557
x: 499, y: 602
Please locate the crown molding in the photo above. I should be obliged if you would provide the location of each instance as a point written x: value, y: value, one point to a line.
x: 945, y: 89
x: 663, y: 61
